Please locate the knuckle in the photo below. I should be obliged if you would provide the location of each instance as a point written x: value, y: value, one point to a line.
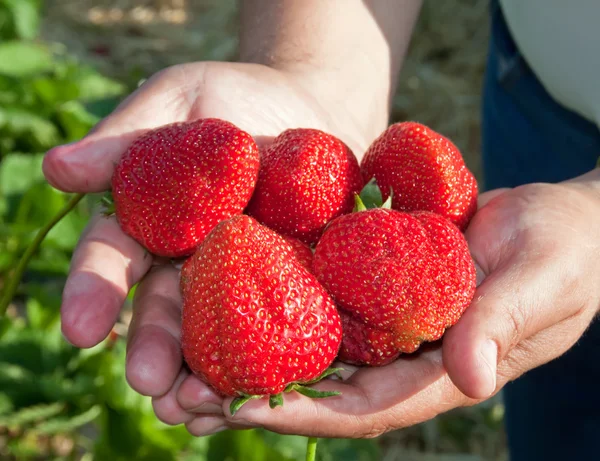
x: 516, y: 319
x: 371, y: 430
x: 164, y: 415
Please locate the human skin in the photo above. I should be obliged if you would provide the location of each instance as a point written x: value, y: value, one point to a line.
x: 330, y: 64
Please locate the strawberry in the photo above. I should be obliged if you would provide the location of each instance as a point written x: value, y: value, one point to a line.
x: 255, y: 321
x: 175, y: 183
x: 424, y: 170
x: 307, y: 178
x: 398, y: 278
x: 302, y: 251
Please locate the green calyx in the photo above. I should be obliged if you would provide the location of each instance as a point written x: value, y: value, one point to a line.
x: 371, y: 197
x: 108, y: 204
x: 276, y: 400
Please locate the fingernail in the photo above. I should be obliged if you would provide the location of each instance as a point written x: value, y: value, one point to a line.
x: 489, y: 355
x: 208, y: 408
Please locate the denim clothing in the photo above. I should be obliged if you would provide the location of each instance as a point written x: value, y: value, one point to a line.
x: 553, y: 411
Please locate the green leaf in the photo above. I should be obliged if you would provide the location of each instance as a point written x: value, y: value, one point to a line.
x: 15, y: 373
x: 313, y: 393
x: 31, y: 414
x: 371, y: 195
x: 167, y: 437
x: 39, y: 316
x: 5, y: 325
x: 24, y: 59
x: 66, y: 425
x: 66, y: 233
x: 348, y: 450
x: 81, y: 389
x: 36, y: 132
x: 6, y: 404
x: 94, y: 86
x: 35, y: 208
x: 290, y: 446
x: 35, y: 351
x: 103, y: 107
x: 237, y: 403
x: 330, y: 371
x: 50, y: 261
x: 114, y: 389
x: 20, y: 385
x: 25, y: 16
x: 18, y: 172
x: 248, y: 445
x: 275, y: 400
x: 53, y: 91
x: 120, y: 433
x: 75, y: 120
x: 125, y: 436
x: 197, y: 449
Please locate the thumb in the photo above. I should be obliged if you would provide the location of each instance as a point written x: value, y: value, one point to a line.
x: 514, y: 302
x: 87, y: 165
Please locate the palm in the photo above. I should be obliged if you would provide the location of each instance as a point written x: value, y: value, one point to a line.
x: 107, y: 263
x: 412, y: 389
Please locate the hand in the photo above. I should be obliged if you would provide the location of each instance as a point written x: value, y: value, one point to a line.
x: 107, y: 263
x: 536, y: 249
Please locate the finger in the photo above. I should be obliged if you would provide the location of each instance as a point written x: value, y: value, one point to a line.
x: 166, y: 407
x: 207, y: 425
x: 153, y: 350
x: 488, y: 196
x: 372, y: 401
x: 105, y: 265
x: 514, y: 302
x: 196, y: 396
x: 87, y: 165
x: 543, y: 347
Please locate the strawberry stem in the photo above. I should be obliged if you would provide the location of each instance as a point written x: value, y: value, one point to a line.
x: 311, y: 448
x: 15, y: 280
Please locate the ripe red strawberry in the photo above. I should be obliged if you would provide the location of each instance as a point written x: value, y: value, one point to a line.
x: 425, y: 171
x: 302, y: 251
x: 255, y: 321
x: 398, y: 278
x: 175, y: 183
x: 307, y: 178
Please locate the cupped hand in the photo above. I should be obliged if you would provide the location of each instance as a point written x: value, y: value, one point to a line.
x: 536, y: 249
x: 107, y: 263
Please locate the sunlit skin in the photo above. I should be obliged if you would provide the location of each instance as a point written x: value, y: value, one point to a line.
x: 535, y: 246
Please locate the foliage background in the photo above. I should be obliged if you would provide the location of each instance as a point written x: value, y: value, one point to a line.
x: 63, y: 65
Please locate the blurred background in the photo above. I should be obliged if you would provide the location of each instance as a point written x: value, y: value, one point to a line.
x: 64, y: 64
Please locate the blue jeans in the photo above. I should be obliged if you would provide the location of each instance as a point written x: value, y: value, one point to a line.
x: 552, y: 412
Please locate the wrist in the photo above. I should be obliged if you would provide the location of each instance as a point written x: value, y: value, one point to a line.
x: 357, y: 102
x: 346, y: 54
